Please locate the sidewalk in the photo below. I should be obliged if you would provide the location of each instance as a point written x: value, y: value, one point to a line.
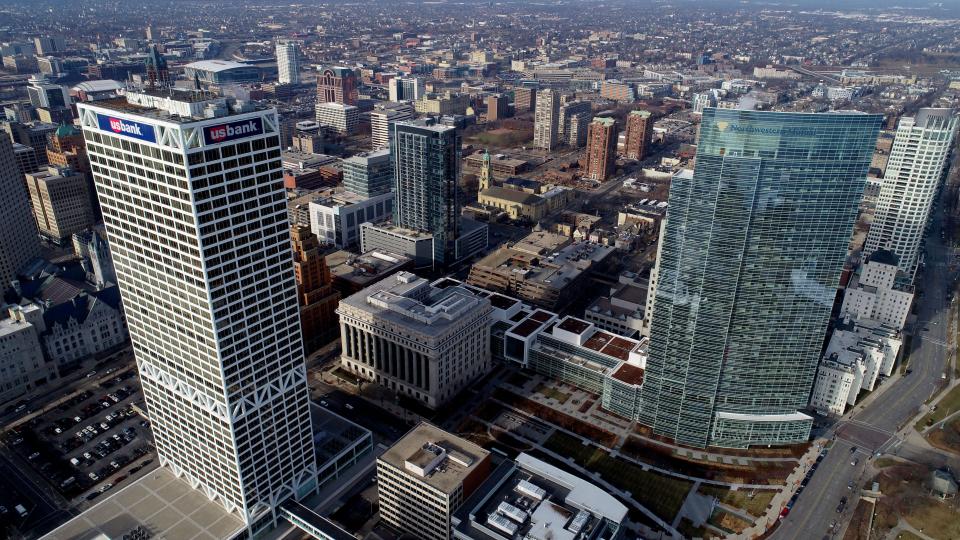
x: 780, y: 500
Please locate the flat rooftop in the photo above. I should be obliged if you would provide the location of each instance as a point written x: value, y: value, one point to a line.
x: 554, y: 270
x: 169, y: 98
x: 364, y: 268
x: 419, y: 448
x: 412, y: 302
x: 158, y: 502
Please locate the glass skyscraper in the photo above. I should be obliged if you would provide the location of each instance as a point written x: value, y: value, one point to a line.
x: 751, y: 257
x: 426, y: 161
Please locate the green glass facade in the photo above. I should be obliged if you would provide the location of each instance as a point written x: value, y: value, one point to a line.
x: 753, y: 249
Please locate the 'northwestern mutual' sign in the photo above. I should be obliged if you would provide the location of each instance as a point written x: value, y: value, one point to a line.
x: 234, y: 130
x: 127, y: 128
x: 763, y: 130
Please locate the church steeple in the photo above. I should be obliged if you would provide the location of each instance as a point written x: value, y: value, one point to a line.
x: 486, y: 171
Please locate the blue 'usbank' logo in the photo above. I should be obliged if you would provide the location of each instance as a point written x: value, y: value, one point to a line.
x: 127, y: 128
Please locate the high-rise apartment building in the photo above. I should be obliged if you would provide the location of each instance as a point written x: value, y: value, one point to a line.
x: 406, y: 89
x: 19, y: 242
x: 638, y: 135
x: 524, y: 100
x: 751, y: 256
x: 61, y: 202
x: 601, y: 156
x: 546, y: 118
x: 201, y: 247
x: 318, y: 299
x: 498, y: 107
x: 422, y: 341
x: 917, y: 163
x: 573, y: 124
x: 382, y: 116
x: 337, y: 85
x: 288, y: 63
x: 426, y: 161
x: 370, y: 174
x: 875, y: 292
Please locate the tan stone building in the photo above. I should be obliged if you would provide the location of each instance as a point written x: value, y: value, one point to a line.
x: 424, y: 477
x: 422, y: 341
x: 61, y: 202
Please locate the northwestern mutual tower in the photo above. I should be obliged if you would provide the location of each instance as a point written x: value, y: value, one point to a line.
x: 753, y: 249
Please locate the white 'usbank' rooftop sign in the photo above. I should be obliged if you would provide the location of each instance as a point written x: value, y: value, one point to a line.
x: 214, y: 134
x: 128, y: 128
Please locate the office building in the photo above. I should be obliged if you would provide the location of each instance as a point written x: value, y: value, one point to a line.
x: 382, y: 116
x: 425, y: 477
x: 524, y: 100
x: 339, y: 118
x: 498, y: 107
x: 369, y: 174
x: 19, y: 242
x: 531, y: 499
x: 336, y: 216
x: 65, y: 150
x: 601, y: 155
x: 546, y: 119
x: 857, y: 355
x: 61, y: 202
x: 619, y: 91
x: 33, y: 134
x: 917, y: 163
x: 622, y: 311
x: 638, y: 135
x: 751, y: 257
x: 572, y: 127
x: 26, y: 158
x: 288, y: 62
x: 545, y: 269
x: 406, y: 89
x: 421, y: 341
x: 222, y: 370
x: 318, y: 300
x: 877, y: 292
x: 47, y: 45
x: 337, y: 85
x: 442, y: 105
x: 44, y: 94
x: 23, y: 366
x: 352, y: 273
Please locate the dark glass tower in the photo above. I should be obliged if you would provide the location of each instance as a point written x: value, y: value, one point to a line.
x: 753, y: 248
x: 426, y: 161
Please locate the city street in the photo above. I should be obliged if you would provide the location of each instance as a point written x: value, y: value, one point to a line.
x: 873, y: 427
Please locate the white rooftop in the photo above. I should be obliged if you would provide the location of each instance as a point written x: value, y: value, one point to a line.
x: 215, y: 65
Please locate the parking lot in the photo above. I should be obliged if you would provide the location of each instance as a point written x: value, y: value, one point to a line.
x: 90, y: 443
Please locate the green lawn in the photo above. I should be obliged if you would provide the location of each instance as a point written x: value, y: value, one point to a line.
x: 661, y: 494
x: 755, y: 506
x: 949, y: 404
